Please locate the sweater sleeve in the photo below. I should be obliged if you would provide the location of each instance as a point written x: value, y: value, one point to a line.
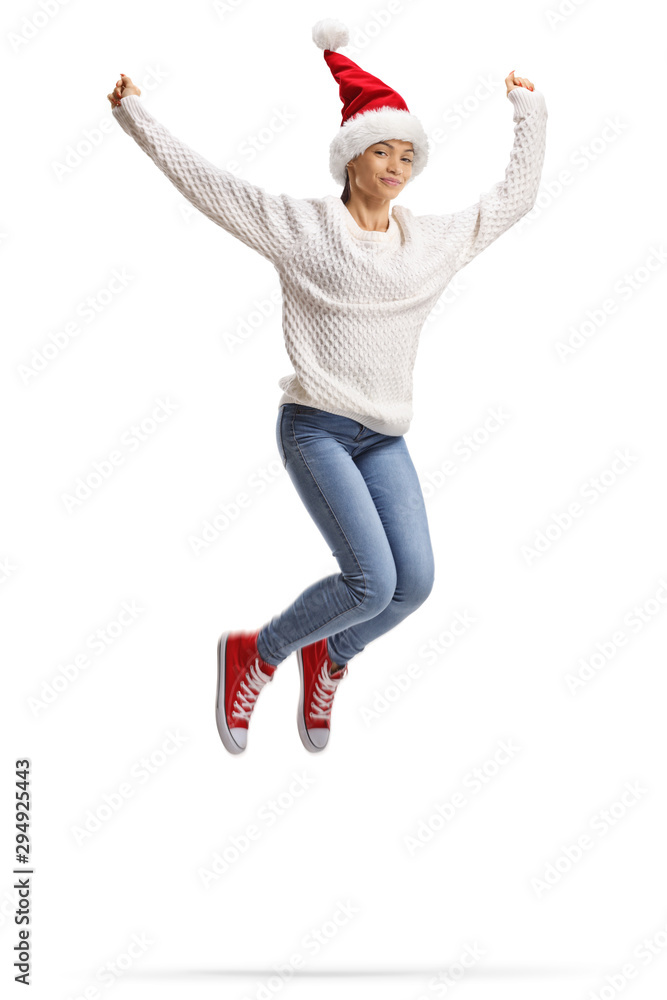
x: 469, y: 231
x: 270, y: 224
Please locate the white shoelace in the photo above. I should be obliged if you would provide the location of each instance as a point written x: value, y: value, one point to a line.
x: 252, y: 684
x: 325, y: 689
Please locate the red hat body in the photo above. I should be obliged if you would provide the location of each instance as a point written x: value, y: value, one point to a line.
x: 372, y: 110
x: 359, y: 90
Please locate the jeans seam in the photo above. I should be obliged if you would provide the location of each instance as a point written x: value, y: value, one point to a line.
x: 280, y: 434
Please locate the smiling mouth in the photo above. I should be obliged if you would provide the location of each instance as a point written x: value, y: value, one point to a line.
x: 388, y: 180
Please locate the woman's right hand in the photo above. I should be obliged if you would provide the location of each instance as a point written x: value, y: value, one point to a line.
x: 123, y: 87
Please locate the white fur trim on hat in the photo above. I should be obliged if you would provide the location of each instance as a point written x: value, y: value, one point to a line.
x: 330, y: 34
x: 369, y: 127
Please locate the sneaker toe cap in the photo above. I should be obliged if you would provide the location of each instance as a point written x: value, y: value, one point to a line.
x: 319, y: 737
x: 240, y: 736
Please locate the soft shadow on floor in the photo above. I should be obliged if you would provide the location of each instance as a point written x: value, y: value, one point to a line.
x: 487, y: 971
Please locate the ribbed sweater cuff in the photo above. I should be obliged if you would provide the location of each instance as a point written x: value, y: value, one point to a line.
x: 525, y: 101
x: 130, y: 109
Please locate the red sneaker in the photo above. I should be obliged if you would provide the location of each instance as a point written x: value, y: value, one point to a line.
x: 242, y: 674
x: 318, y: 688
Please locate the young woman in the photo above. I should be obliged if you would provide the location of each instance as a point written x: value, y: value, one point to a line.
x: 358, y: 284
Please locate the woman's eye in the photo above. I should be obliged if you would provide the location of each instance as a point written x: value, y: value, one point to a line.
x: 384, y: 153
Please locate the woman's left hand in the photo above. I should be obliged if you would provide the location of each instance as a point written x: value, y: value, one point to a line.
x: 124, y: 87
x: 513, y: 81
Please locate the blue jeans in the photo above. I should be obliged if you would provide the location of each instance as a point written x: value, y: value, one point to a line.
x: 362, y: 490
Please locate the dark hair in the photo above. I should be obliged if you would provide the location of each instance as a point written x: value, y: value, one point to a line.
x: 345, y: 197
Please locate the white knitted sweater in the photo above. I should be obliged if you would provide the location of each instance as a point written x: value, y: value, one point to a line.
x: 354, y: 301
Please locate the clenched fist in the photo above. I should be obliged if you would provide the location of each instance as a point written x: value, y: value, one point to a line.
x: 123, y: 87
x: 513, y: 81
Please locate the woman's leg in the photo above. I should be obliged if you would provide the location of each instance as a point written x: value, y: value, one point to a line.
x: 393, y: 484
x: 316, y: 448
x: 362, y: 491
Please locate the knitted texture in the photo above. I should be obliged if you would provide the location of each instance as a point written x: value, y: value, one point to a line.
x: 354, y: 301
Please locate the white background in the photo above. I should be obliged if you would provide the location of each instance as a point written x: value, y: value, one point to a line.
x: 69, y: 220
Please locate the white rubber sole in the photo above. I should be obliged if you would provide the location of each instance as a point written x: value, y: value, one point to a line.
x: 228, y: 740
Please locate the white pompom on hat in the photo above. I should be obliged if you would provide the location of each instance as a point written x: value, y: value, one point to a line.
x: 372, y: 111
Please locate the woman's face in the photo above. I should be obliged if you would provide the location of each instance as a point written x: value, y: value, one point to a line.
x: 381, y: 163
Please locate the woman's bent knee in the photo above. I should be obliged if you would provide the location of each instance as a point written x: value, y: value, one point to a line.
x: 414, y: 587
x: 423, y: 589
x: 379, y: 589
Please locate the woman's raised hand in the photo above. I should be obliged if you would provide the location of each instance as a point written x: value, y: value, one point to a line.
x: 513, y: 81
x: 123, y: 87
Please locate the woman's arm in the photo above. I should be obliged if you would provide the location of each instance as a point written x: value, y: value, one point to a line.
x: 469, y: 231
x: 270, y: 224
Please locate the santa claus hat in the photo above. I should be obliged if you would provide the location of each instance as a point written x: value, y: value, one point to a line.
x: 372, y: 111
